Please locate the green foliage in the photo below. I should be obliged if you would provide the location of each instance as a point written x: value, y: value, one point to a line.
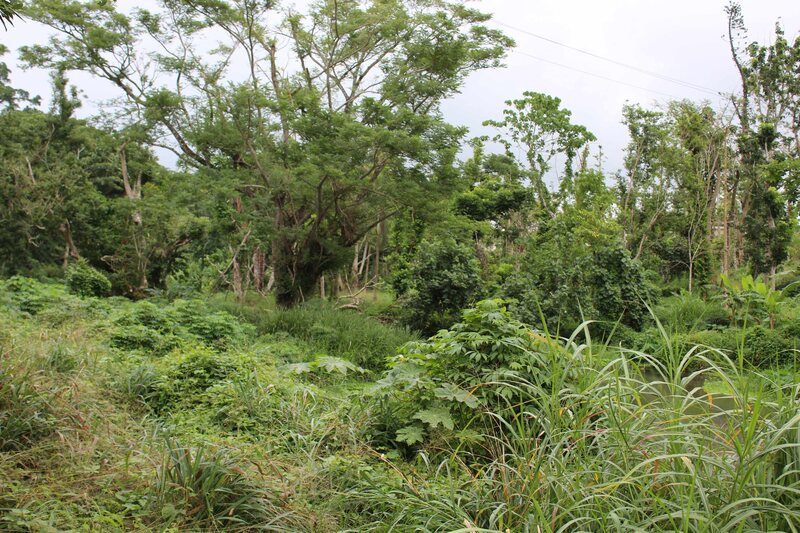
x: 61, y: 359
x: 157, y: 329
x: 29, y: 296
x: 362, y: 340
x: 753, y: 299
x: 443, y: 278
x: 26, y: 415
x: 244, y: 404
x: 325, y: 365
x: 610, y: 445
x: 686, y: 311
x: 83, y: 280
x: 199, y: 488
x: 480, y: 364
x: 543, y: 130
x: 572, y: 271
x: 335, y: 158
x: 756, y: 346
x: 489, y: 424
x: 188, y: 373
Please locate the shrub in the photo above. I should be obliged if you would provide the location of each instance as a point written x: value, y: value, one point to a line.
x: 243, y: 404
x: 760, y: 347
x: 138, y: 337
x: 482, y: 363
x: 28, y: 295
x: 444, y: 277
x: 159, y: 329
x: 602, y: 283
x: 84, y: 280
x: 216, y: 328
x: 765, y: 347
x: 186, y: 374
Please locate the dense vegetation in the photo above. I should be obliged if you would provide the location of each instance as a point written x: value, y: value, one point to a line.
x: 338, y: 312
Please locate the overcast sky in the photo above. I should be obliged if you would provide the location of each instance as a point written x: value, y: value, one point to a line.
x: 681, y: 39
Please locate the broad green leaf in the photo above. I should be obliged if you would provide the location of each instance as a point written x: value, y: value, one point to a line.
x: 435, y: 416
x: 410, y: 435
x: 448, y: 391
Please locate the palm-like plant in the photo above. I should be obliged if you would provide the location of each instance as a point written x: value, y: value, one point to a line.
x: 8, y: 10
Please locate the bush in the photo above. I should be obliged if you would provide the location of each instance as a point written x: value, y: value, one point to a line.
x: 243, y: 404
x: 444, y: 277
x: 481, y: 364
x: 605, y: 283
x: 186, y: 374
x: 216, y: 328
x: 83, y: 280
x: 138, y: 337
x: 765, y: 347
x: 28, y: 295
x: 762, y: 347
x: 147, y: 327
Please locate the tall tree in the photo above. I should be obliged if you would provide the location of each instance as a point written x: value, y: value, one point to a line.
x: 768, y: 109
x: 537, y: 129
x: 326, y: 149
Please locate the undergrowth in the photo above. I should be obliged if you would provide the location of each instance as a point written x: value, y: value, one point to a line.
x: 157, y: 416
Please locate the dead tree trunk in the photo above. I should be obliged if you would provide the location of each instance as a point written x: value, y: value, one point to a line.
x: 71, y: 250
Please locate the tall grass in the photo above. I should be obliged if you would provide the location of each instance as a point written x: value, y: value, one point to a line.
x: 617, y: 450
x: 360, y: 339
x: 203, y: 489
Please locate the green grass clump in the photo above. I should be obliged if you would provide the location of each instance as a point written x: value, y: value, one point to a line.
x: 26, y: 414
x: 206, y: 490
x: 342, y: 333
x: 685, y: 311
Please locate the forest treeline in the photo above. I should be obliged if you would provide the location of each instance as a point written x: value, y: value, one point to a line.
x: 313, y: 159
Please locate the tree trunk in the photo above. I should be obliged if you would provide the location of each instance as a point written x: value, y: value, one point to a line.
x: 237, y: 281
x: 259, y: 269
x: 295, y: 276
x: 71, y: 250
x: 377, y: 269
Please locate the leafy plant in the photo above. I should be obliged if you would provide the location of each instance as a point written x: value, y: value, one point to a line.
x: 484, y: 363
x: 325, y: 365
x: 84, y: 280
x: 753, y: 296
x: 444, y: 277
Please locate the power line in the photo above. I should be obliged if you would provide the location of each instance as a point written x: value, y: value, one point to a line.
x: 593, y: 74
x: 664, y: 77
